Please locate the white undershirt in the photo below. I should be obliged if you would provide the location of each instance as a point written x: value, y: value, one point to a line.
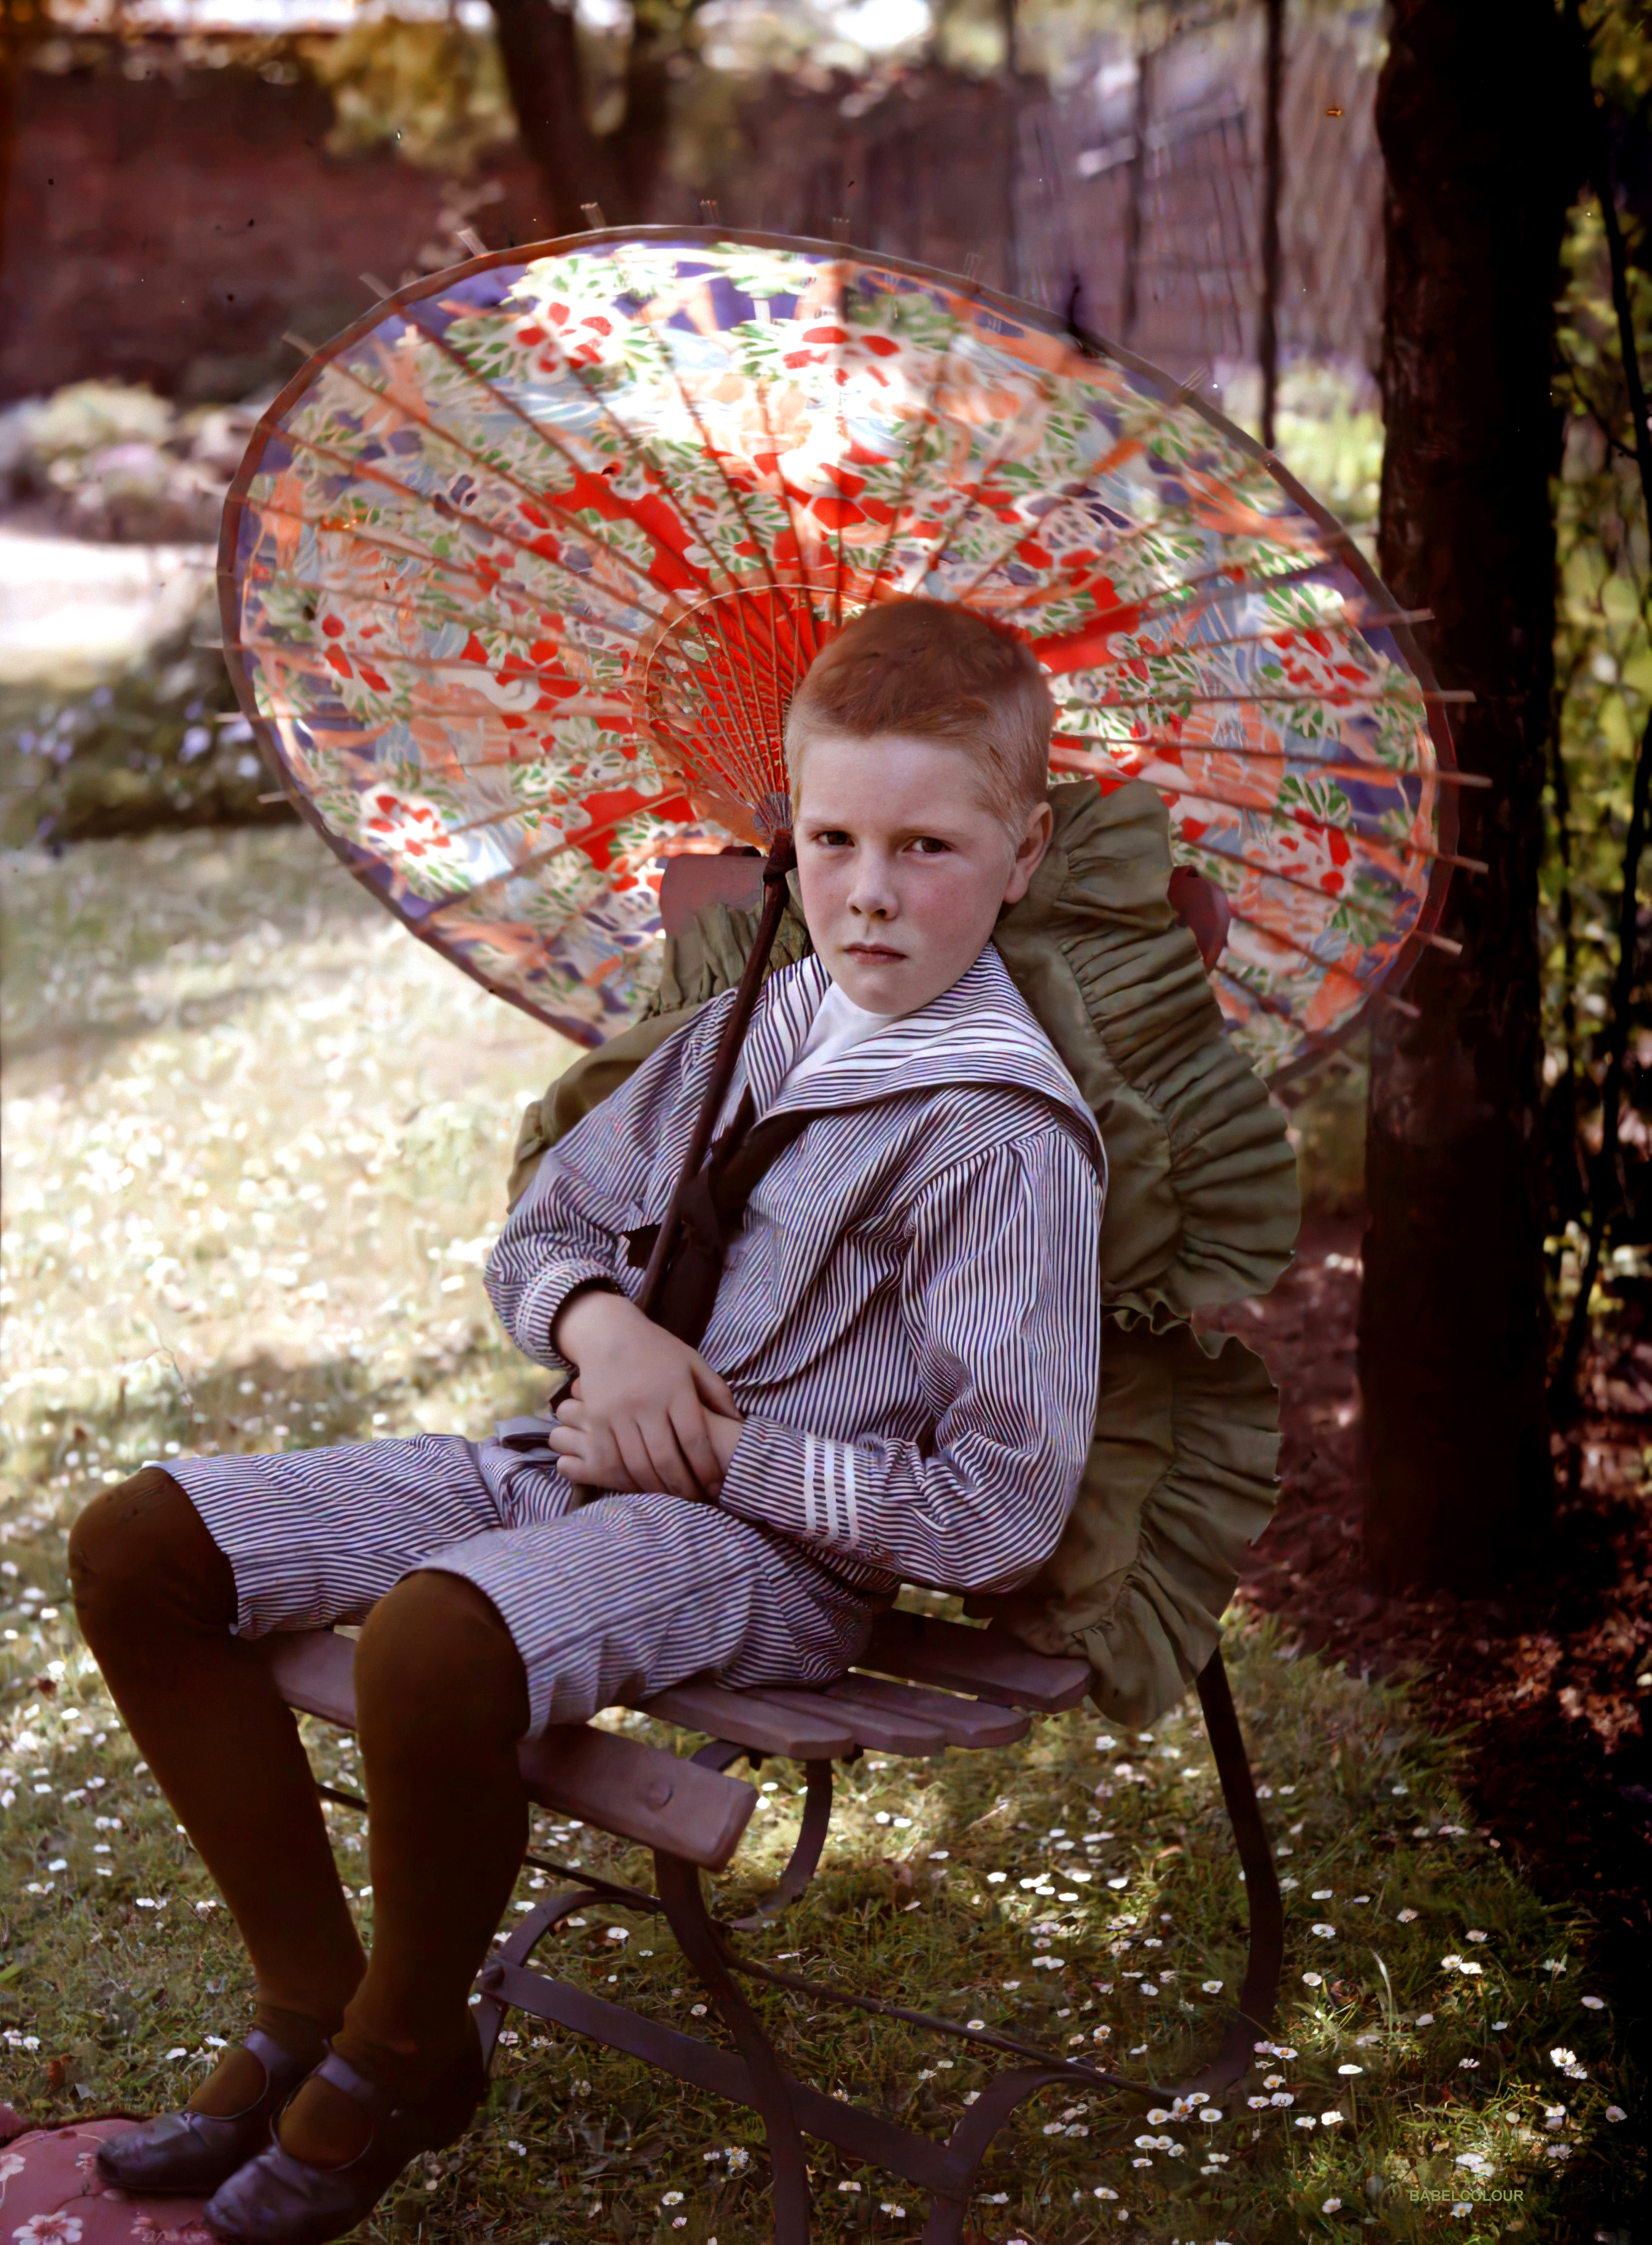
x: 838, y: 1027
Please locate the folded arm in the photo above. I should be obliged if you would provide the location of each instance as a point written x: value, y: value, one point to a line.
x: 1002, y: 1296
x: 564, y: 1232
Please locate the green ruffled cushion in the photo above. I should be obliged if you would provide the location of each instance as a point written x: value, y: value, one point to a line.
x: 1180, y: 1479
x: 1202, y: 1204
x: 1201, y: 1212
x: 709, y: 957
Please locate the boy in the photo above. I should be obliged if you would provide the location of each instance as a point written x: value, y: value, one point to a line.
x: 896, y: 1381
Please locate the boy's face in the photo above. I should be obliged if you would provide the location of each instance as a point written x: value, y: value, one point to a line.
x: 902, y: 866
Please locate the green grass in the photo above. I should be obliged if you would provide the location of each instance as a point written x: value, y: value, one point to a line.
x: 186, y: 1013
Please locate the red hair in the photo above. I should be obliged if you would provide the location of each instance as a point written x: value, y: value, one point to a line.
x: 934, y: 671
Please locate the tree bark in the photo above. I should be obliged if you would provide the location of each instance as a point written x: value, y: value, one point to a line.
x: 537, y: 45
x: 1482, y: 158
x: 639, y: 145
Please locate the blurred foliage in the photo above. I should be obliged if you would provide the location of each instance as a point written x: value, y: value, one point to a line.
x: 1620, y: 36
x: 1603, y: 695
x: 433, y: 90
x: 163, y: 745
x: 1327, y: 431
x: 110, y: 459
x: 1326, y: 1132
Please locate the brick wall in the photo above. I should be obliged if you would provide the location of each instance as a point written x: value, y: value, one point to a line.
x: 165, y: 224
x: 168, y: 221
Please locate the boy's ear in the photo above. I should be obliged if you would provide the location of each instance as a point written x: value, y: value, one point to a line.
x: 1030, y: 851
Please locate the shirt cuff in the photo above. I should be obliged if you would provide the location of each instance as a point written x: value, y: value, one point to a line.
x: 543, y: 1302
x: 806, y: 1485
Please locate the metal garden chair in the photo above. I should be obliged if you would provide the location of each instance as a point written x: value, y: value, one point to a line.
x: 923, y: 1687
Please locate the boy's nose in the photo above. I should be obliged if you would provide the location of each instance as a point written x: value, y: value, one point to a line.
x: 871, y: 893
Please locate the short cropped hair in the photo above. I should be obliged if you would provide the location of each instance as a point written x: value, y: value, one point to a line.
x: 934, y: 671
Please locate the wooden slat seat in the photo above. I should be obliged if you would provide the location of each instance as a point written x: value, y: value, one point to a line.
x: 963, y: 1722
x: 807, y: 1726
x: 662, y: 1801
x: 639, y: 1792
x: 984, y: 1661
x: 872, y: 1709
x: 892, y: 1730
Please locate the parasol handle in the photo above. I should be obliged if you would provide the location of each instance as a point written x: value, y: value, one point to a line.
x: 781, y: 859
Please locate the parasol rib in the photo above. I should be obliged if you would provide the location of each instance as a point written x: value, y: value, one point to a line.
x: 542, y: 430
x: 403, y: 602
x: 444, y: 508
x: 690, y: 405
x: 536, y: 496
x: 1297, y: 762
x: 931, y: 422
x: 1084, y: 487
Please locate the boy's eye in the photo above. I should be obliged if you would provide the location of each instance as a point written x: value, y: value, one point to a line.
x: 837, y: 838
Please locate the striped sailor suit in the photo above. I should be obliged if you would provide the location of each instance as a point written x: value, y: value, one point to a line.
x: 908, y: 1318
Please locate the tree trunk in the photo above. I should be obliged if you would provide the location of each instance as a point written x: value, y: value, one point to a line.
x: 537, y: 45
x: 23, y: 23
x: 1472, y: 113
x: 639, y: 145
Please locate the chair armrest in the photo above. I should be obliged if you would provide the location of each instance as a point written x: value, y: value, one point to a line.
x: 639, y: 1792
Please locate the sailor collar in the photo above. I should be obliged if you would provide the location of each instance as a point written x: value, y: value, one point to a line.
x: 979, y: 1031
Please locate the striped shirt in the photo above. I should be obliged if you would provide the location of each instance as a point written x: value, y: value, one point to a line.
x: 910, y: 1317
x: 838, y: 1026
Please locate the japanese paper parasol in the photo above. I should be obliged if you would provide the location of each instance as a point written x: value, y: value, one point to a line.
x: 519, y: 572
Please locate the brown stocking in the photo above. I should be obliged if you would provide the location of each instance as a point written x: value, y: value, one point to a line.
x: 156, y: 1599
x: 441, y: 1700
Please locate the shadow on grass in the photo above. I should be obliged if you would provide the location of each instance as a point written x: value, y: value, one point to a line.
x: 67, y: 1454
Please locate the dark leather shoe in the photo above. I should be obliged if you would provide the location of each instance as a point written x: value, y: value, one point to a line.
x: 187, y: 2154
x: 278, y: 2200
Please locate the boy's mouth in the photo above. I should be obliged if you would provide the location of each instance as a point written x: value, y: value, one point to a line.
x: 872, y: 951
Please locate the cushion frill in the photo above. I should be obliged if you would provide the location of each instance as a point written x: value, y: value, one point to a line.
x: 1202, y: 1208
x: 1201, y: 1212
x: 1179, y: 1478
x: 709, y: 957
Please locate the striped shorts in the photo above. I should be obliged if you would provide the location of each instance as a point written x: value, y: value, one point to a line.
x: 607, y: 1601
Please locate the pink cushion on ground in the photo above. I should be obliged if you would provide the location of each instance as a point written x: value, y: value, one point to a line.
x: 52, y: 2194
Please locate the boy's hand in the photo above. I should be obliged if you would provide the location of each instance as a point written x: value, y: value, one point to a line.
x: 592, y: 1458
x: 647, y: 1411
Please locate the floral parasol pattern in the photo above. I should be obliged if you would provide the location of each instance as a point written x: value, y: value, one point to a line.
x: 519, y: 572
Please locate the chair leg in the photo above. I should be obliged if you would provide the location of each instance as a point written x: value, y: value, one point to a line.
x: 971, y: 2140
x: 678, y: 1884
x: 1260, y: 1994
x: 804, y: 1859
x: 529, y: 1931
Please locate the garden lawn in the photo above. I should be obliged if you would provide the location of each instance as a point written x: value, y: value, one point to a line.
x: 255, y: 1141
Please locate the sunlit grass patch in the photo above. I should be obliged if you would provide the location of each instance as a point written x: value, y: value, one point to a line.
x: 236, y: 1014
x: 256, y: 1142
x: 1442, y: 2036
